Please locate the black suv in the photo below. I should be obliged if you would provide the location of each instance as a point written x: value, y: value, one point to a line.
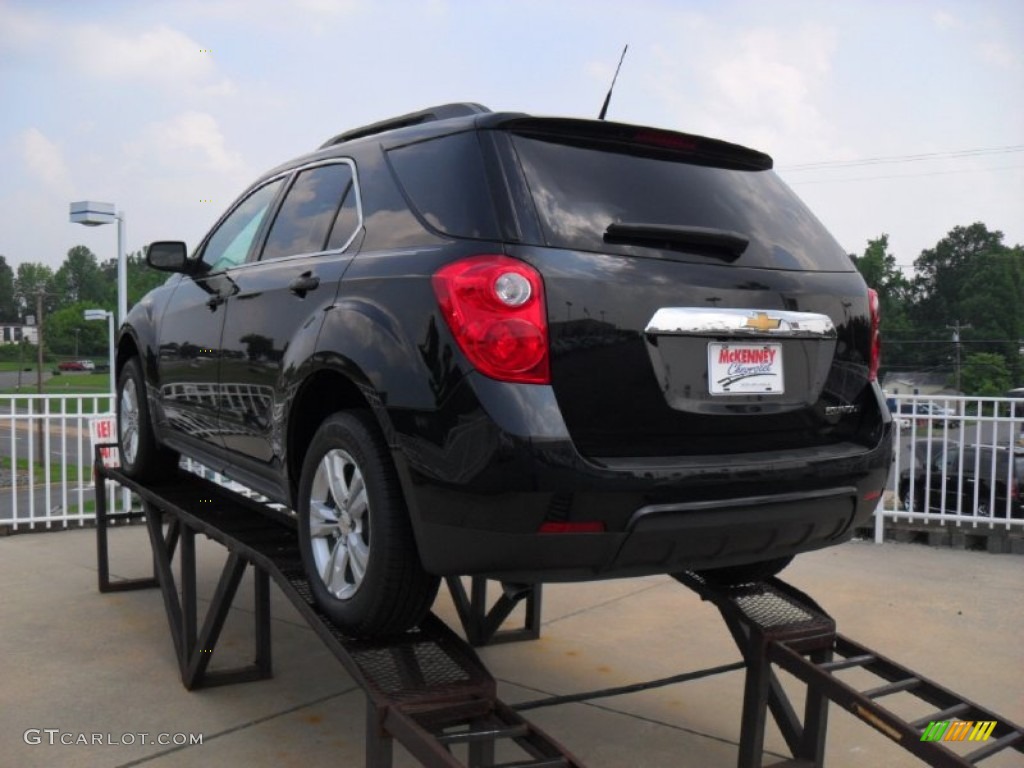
x: 537, y: 349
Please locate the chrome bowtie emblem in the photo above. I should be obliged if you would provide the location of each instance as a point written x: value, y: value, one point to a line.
x: 762, y: 322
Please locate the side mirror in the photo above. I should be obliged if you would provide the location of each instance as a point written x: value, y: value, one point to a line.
x: 168, y: 256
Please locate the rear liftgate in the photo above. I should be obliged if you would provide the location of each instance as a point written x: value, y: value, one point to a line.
x: 428, y: 688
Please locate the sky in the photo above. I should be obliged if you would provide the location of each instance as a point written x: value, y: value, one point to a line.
x: 170, y: 108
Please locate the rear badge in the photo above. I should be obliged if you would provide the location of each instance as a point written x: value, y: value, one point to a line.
x: 841, y: 410
x: 745, y: 369
x: 760, y: 321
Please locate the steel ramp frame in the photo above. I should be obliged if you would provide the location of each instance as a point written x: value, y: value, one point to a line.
x: 426, y: 688
x: 773, y: 623
x: 485, y: 626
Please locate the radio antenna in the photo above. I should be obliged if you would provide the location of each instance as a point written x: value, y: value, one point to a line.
x: 608, y: 98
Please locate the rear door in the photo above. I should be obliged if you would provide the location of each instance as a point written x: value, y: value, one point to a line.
x: 695, y: 305
x: 275, y: 314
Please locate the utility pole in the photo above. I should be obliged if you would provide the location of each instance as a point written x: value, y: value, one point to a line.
x: 40, y: 293
x: 956, y: 341
x: 39, y: 341
x: 39, y: 374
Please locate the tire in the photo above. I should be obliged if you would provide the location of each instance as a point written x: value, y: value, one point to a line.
x: 355, y: 535
x: 904, y: 499
x: 142, y: 458
x: 983, y: 509
x: 747, y: 573
x: 918, y: 505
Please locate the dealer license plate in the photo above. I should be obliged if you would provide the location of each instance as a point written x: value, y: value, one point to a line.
x: 745, y: 369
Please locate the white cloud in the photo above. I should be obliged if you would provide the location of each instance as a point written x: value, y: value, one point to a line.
x: 21, y: 30
x: 945, y: 20
x: 329, y: 7
x: 302, y: 14
x: 769, y: 90
x: 161, y: 54
x: 45, y: 162
x: 190, y: 139
x: 1000, y: 55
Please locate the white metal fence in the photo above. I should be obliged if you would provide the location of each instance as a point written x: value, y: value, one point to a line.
x: 46, y: 462
x: 956, y: 460
x: 46, y: 459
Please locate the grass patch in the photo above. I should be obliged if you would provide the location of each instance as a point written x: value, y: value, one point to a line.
x: 67, y: 384
x: 14, y: 367
x: 81, y: 384
x: 39, y: 470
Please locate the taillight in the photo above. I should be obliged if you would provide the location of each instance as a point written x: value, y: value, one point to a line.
x: 494, y: 306
x: 876, y: 336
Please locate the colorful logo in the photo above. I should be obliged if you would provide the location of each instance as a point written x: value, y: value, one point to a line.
x: 958, y: 730
x: 762, y: 322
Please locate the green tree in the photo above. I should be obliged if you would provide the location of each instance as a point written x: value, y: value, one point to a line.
x: 879, y: 269
x: 8, y: 305
x: 141, y: 278
x: 60, y: 331
x: 985, y: 374
x: 79, y: 277
x: 993, y: 306
x: 31, y: 278
x: 943, y: 273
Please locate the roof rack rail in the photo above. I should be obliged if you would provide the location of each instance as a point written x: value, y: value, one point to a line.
x: 442, y: 112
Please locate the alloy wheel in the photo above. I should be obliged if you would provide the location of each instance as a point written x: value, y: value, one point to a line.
x: 128, y: 421
x: 339, y: 514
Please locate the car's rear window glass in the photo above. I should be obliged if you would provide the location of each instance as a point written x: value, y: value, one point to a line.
x: 579, y: 190
x: 445, y: 181
x: 308, y: 211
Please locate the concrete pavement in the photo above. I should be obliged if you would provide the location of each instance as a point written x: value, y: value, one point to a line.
x: 81, y: 663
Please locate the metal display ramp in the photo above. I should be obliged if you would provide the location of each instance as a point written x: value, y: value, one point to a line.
x: 429, y: 690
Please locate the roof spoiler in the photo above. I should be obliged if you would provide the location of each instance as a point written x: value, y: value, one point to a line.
x: 430, y: 114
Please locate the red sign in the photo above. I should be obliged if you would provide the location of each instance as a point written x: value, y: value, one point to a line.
x: 103, y: 429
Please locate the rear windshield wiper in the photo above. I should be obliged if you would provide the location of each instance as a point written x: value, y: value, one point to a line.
x: 719, y: 243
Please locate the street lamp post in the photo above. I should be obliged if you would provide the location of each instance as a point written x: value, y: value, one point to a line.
x: 102, y: 314
x: 94, y: 214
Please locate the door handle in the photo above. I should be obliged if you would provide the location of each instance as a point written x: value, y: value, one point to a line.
x: 307, y: 281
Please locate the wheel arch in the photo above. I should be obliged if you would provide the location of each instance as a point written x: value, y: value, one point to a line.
x: 127, y: 347
x: 326, y: 391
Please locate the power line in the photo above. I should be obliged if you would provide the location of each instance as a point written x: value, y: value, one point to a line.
x: 977, y: 152
x: 891, y: 340
x: 904, y: 175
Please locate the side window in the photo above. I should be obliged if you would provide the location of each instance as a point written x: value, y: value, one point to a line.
x: 347, y: 222
x: 447, y: 184
x: 230, y: 244
x: 308, y: 211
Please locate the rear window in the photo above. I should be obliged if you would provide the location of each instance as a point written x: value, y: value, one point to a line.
x: 579, y: 190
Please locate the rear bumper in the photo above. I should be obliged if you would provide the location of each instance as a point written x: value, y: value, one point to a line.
x: 478, y: 502
x: 658, y: 538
